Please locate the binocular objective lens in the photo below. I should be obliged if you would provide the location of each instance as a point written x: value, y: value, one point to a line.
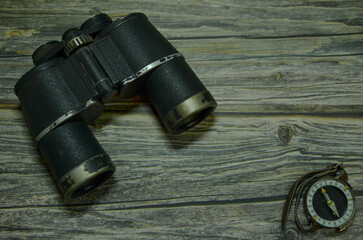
x: 193, y: 120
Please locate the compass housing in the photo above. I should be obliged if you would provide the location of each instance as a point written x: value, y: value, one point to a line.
x: 330, y: 203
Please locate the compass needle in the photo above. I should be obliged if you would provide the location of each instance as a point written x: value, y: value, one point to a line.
x: 330, y: 203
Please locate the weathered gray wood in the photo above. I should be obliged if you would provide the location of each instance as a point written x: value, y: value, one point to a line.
x: 305, y: 69
x: 227, y: 182
x: 235, y: 152
x: 270, y: 64
x: 258, y: 85
x: 190, y: 20
x: 226, y: 48
x: 220, y: 221
x: 195, y: 18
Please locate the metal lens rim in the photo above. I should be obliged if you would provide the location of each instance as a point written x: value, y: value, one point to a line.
x: 193, y: 120
x: 91, y: 183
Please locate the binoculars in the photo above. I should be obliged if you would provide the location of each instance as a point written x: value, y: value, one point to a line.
x: 73, y: 78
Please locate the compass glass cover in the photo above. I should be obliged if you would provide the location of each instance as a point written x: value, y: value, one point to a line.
x: 330, y: 203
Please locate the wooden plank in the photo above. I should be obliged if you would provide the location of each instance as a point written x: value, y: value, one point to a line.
x: 219, y: 184
x: 24, y: 28
x: 268, y: 74
x: 254, y: 85
x: 228, y: 221
x: 238, y: 157
x: 215, y: 18
x: 231, y: 47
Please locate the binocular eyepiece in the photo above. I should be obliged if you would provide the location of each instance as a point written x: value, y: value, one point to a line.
x: 73, y: 78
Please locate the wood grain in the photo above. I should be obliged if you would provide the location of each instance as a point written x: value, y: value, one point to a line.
x: 240, y: 163
x: 294, y: 64
x: 258, y: 85
x: 220, y: 221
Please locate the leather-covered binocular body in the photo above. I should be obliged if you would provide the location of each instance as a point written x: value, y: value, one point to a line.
x: 74, y: 77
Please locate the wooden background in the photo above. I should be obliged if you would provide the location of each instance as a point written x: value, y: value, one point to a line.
x: 296, y: 64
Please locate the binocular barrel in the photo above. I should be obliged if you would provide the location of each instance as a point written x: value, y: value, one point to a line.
x: 74, y: 77
x: 48, y: 95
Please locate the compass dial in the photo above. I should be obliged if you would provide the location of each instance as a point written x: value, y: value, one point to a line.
x: 330, y: 203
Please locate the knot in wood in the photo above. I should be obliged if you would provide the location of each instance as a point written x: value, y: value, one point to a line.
x: 285, y: 134
x: 278, y: 76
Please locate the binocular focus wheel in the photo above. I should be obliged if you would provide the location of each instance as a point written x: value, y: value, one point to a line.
x: 74, y: 39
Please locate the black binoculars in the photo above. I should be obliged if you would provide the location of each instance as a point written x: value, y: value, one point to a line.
x: 72, y: 79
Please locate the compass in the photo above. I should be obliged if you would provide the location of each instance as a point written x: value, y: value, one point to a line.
x: 329, y: 199
x: 330, y: 203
